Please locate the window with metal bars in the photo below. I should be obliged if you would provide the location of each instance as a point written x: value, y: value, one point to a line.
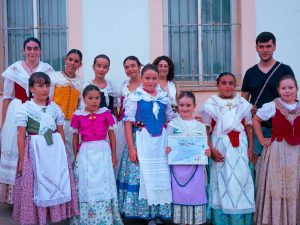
x: 201, y: 36
x: 43, y: 19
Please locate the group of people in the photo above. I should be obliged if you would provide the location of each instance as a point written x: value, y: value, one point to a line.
x: 92, y: 152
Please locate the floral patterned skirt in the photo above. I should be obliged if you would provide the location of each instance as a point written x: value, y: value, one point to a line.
x: 277, y: 197
x: 96, y: 186
x: 104, y: 212
x: 26, y: 212
x: 6, y: 193
x: 220, y: 218
x: 128, y: 183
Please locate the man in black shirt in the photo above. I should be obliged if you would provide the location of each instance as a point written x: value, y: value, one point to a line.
x: 256, y: 77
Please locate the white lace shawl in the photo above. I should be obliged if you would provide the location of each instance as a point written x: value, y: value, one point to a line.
x: 130, y: 103
x: 16, y: 73
x: 227, y: 113
x: 48, y: 116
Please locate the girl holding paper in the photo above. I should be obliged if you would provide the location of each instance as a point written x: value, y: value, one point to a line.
x: 188, y: 181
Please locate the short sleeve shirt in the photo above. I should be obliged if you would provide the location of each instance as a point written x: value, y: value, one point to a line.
x: 254, y: 80
x: 92, y: 126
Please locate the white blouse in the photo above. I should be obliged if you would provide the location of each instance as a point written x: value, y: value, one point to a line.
x: 48, y: 116
x: 268, y: 110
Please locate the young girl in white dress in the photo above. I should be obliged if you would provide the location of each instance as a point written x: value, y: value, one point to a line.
x: 95, y: 158
x: 44, y: 191
x: 277, y: 198
x: 188, y: 181
x: 231, y: 188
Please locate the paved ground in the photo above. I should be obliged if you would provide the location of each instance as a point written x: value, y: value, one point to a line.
x: 6, y: 218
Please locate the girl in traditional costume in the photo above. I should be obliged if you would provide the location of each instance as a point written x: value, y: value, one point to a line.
x: 132, y: 67
x: 16, y: 92
x: 144, y: 179
x: 67, y: 89
x: 231, y: 188
x: 188, y: 181
x: 95, y: 158
x: 165, y: 68
x: 277, y: 198
x: 44, y: 191
x: 109, y: 92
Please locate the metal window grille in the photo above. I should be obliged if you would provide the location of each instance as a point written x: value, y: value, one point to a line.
x: 200, y: 40
x: 43, y: 19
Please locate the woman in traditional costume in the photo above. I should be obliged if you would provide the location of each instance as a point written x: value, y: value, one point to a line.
x: 16, y: 92
x: 165, y: 68
x: 67, y: 89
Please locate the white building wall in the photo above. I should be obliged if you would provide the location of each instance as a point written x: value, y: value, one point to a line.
x: 118, y: 29
x: 282, y: 18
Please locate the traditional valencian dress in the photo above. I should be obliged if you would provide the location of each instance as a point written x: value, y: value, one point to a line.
x: 188, y: 181
x: 231, y: 188
x: 109, y: 96
x: 45, y: 191
x: 120, y: 134
x: 144, y: 188
x: 67, y: 96
x: 94, y: 175
x: 171, y: 90
x: 15, y: 88
x: 277, y: 198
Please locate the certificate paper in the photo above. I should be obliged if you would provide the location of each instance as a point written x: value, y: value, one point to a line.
x: 187, y: 150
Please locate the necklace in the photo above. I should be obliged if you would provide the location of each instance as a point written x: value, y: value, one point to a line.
x: 231, y: 97
x: 150, y: 92
x: 67, y: 75
x: 70, y: 79
x: 229, y: 105
x: 31, y: 69
x: 100, y: 84
x: 133, y: 84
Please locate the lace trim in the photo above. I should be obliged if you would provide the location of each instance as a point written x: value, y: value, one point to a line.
x: 113, y: 127
x: 43, y: 203
x: 129, y: 118
x: 74, y: 130
x: 82, y: 112
x: 160, y: 197
x: 290, y: 115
